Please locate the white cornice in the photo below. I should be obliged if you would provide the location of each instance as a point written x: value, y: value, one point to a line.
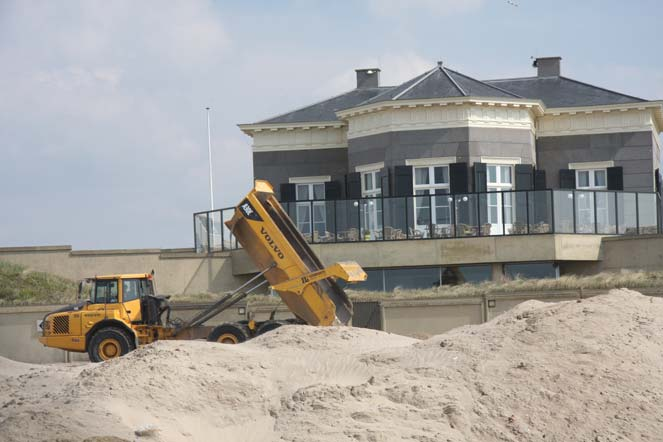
x: 429, y: 116
x: 630, y: 117
x: 251, y: 129
x: 536, y: 106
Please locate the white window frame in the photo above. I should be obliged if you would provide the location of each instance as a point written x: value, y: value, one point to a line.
x: 591, y: 179
x: 376, y: 190
x: 310, y: 182
x: 502, y: 202
x: 371, y: 208
x: 431, y: 187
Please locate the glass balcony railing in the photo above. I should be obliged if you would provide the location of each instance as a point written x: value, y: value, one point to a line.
x: 453, y: 216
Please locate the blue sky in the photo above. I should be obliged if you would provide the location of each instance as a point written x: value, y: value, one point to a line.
x: 102, y: 125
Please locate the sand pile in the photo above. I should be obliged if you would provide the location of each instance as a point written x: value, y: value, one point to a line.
x: 574, y: 371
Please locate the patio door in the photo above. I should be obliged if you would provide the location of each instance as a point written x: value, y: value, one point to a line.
x: 371, y: 205
x: 431, y: 205
x: 591, y: 179
x: 500, y: 200
x: 311, y: 215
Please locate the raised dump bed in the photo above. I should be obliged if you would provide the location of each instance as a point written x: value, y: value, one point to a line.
x: 276, y: 247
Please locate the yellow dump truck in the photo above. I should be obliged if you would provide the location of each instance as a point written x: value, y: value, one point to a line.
x: 123, y: 311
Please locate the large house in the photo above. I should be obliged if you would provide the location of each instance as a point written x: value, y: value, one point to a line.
x: 482, y: 168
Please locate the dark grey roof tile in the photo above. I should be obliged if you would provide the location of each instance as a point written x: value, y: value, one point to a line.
x: 562, y: 91
x: 326, y: 110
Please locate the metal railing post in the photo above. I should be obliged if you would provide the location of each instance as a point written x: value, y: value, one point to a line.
x: 381, y: 199
x: 637, y: 214
x: 616, y: 214
x: 527, y: 209
x: 552, y: 210
x: 596, y: 218
x: 573, y: 194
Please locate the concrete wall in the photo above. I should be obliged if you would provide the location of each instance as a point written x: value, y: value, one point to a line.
x: 423, y: 319
x: 419, y: 318
x: 452, y: 251
x: 630, y: 150
x: 278, y: 166
x: 643, y: 252
x: 177, y: 272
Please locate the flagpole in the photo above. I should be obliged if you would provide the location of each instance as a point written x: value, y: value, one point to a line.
x: 209, y: 153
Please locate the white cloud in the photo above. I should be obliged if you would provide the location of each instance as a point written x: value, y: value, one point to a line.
x: 395, y: 68
x: 440, y: 8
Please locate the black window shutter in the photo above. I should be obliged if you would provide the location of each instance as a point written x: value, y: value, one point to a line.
x: 480, y: 179
x: 288, y: 192
x: 567, y: 179
x: 657, y: 178
x: 615, y: 178
x: 524, y: 177
x: 458, y: 178
x: 332, y: 190
x: 353, y: 185
x: 403, y: 181
x: 539, y: 179
x: 384, y: 181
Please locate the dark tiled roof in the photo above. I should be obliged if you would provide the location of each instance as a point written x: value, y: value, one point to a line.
x: 326, y: 110
x: 441, y: 82
x: 562, y: 91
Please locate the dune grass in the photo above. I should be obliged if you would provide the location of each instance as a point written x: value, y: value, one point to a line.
x: 605, y: 280
x: 19, y: 286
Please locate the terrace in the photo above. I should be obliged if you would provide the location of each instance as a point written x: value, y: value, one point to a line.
x: 441, y: 216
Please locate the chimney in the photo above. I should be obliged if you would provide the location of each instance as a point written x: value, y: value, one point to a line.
x: 368, y: 78
x: 547, y: 66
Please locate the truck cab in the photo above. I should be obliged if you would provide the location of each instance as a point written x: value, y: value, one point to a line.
x: 104, y: 322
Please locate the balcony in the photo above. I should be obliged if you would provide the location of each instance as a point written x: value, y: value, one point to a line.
x: 440, y: 216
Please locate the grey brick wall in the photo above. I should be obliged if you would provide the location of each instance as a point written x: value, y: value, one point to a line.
x: 466, y: 144
x: 630, y: 150
x: 278, y: 167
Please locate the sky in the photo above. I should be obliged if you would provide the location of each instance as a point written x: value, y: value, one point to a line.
x: 103, y: 136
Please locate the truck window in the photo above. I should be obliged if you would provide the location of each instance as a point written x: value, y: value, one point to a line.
x: 131, y: 289
x: 105, y: 291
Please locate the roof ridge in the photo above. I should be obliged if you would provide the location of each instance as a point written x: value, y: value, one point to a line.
x: 443, y: 69
x: 510, y: 79
x: 489, y: 85
x: 602, y: 88
x: 410, y: 87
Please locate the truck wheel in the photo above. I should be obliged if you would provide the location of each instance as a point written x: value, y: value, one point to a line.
x: 268, y: 326
x: 229, y: 333
x: 109, y: 343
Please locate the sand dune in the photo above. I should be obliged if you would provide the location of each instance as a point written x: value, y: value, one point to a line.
x: 573, y: 371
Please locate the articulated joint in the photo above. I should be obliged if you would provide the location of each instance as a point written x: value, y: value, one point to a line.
x: 348, y: 271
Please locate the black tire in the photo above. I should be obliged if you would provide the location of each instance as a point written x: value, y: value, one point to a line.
x: 109, y: 343
x: 268, y: 326
x: 229, y: 333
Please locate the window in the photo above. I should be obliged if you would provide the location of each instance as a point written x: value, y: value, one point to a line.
x: 499, y: 178
x: 591, y: 179
x: 430, y: 181
x: 311, y: 216
x: 131, y: 289
x: 532, y: 270
x: 105, y: 291
x: 370, y: 183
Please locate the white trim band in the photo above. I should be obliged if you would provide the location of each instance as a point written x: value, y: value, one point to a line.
x: 434, y: 161
x: 369, y: 167
x: 501, y: 160
x: 592, y: 165
x: 309, y: 179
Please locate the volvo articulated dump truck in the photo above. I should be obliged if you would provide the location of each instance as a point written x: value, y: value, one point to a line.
x: 123, y: 311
